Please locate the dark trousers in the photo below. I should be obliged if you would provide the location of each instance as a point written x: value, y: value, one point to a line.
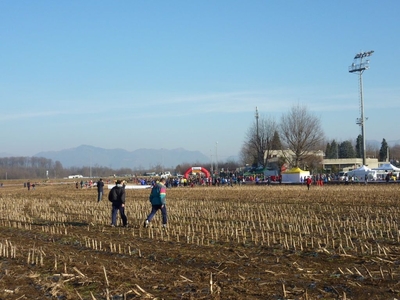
x: 114, y: 212
x: 99, y: 195
x: 154, y: 209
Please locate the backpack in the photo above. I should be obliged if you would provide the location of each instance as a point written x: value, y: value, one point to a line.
x: 155, y: 192
x: 112, y: 195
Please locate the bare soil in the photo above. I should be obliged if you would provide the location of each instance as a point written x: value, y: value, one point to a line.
x: 259, y: 242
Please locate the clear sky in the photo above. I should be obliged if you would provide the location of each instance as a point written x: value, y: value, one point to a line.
x: 172, y: 74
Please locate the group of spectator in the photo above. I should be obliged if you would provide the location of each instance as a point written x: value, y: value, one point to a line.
x: 88, y: 183
x: 29, y: 185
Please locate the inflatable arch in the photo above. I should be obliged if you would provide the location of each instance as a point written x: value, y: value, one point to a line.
x: 190, y: 170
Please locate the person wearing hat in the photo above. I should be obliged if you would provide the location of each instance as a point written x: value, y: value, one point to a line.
x: 117, y: 198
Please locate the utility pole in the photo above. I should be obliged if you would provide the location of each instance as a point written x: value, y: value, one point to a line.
x: 358, y: 66
x: 387, y: 154
x: 212, y: 167
x: 216, y: 159
x: 258, y: 139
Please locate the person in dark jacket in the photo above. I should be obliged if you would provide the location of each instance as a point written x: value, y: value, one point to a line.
x: 117, y: 198
x: 100, y: 186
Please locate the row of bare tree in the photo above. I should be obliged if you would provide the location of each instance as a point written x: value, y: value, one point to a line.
x: 43, y: 168
x: 300, y: 133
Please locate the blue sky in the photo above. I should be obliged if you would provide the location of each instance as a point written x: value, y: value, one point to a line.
x: 172, y: 74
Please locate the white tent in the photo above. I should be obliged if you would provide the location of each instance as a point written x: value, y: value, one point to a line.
x: 388, y: 167
x: 360, y: 173
x: 131, y: 186
x: 294, y: 175
x: 385, y: 169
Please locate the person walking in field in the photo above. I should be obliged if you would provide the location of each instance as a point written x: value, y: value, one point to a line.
x: 100, y: 186
x: 117, y: 198
x: 308, y: 182
x: 158, y: 202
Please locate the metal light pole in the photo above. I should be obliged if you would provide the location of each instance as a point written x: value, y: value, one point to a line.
x: 91, y: 161
x: 258, y: 138
x: 216, y: 158
x: 358, y: 66
x: 212, y: 166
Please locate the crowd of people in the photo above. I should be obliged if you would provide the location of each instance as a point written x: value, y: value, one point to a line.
x: 157, y: 195
x: 159, y: 187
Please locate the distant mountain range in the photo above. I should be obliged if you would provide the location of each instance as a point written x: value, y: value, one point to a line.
x: 85, y: 155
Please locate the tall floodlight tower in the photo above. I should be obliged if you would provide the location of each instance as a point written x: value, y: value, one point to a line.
x: 359, y: 66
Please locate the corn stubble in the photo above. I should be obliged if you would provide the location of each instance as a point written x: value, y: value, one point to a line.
x: 277, y: 242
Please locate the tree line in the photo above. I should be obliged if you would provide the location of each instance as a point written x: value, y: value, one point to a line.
x: 300, y: 139
x: 347, y: 149
x: 44, y: 168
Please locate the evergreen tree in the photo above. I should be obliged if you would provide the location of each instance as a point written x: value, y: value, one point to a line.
x: 346, y: 150
x: 276, y: 141
x: 383, y: 151
x: 328, y: 150
x: 331, y: 150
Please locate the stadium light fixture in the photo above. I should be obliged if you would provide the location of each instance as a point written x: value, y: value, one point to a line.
x: 358, y: 67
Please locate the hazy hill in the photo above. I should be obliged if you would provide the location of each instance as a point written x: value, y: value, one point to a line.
x: 5, y: 154
x: 85, y: 155
x: 378, y: 144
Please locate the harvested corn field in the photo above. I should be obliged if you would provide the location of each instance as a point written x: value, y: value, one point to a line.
x: 257, y: 242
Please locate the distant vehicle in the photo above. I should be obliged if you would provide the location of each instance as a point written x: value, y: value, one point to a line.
x: 75, y: 176
x: 166, y: 174
x: 342, y: 175
x: 150, y: 174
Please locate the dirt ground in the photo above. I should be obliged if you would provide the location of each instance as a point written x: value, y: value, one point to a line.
x: 259, y: 242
